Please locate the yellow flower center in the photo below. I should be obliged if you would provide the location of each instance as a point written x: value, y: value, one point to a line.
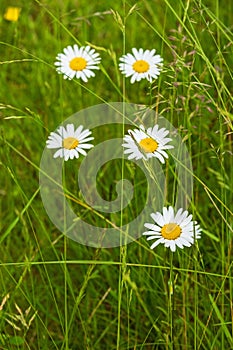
x: 148, y: 145
x: 171, y: 231
x: 70, y: 143
x: 78, y: 63
x: 141, y: 66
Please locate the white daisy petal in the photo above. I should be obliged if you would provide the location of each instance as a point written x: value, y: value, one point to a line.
x: 160, y: 240
x: 66, y: 154
x: 160, y: 219
x: 133, y: 79
x: 53, y: 145
x: 172, y: 229
x: 162, y: 153
x: 186, y: 221
x: 85, y: 146
x: 187, y: 227
x: 54, y: 141
x: 58, y: 154
x: 153, y: 237
x: 170, y: 244
x: 83, y: 77
x: 171, y: 213
x: 173, y: 246
x: 71, y: 155
x: 84, y: 153
x: 84, y: 134
x: 69, y: 51
x: 179, y: 211
x: 154, y: 233
x: 166, y: 214
x: 78, y: 131
x: 181, y: 217
x: 155, y: 216
x: 179, y: 243
x: 127, y: 151
x: 152, y: 227
x: 186, y: 243
x: 186, y: 239
x: 86, y: 139
x: 70, y: 75
x: 70, y: 129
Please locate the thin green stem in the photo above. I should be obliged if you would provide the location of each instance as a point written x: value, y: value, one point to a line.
x: 171, y: 301
x: 123, y: 246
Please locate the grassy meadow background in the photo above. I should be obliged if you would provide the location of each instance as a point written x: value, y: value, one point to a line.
x: 58, y: 294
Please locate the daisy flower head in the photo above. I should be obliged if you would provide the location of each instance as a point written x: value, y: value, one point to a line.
x: 172, y: 229
x: 70, y: 142
x: 141, y: 65
x: 145, y: 144
x: 77, y: 62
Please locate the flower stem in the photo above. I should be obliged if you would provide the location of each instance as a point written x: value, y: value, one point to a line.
x: 171, y: 300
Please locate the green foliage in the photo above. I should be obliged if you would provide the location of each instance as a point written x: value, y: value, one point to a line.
x: 57, y: 294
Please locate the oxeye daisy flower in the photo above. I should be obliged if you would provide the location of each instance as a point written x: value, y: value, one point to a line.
x: 141, y: 65
x: 173, y: 230
x: 70, y: 142
x: 77, y: 62
x: 145, y: 144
